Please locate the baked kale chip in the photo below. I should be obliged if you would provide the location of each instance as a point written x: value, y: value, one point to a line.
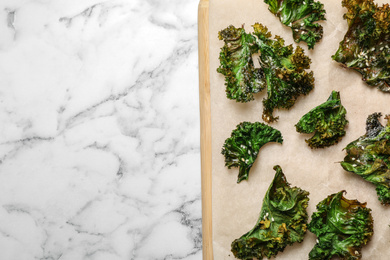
x: 342, y: 228
x: 242, y: 79
x: 301, y: 16
x: 241, y: 149
x: 282, y: 221
x: 327, y: 122
x: 369, y: 156
x: 282, y: 70
x: 365, y: 47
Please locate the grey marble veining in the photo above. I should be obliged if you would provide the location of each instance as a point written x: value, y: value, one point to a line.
x: 99, y: 136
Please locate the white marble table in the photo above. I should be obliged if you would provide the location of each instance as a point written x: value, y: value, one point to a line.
x: 99, y: 130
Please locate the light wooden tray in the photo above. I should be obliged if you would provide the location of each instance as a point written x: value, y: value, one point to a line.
x: 205, y: 125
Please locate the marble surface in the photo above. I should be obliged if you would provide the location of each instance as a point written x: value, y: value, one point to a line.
x: 99, y: 136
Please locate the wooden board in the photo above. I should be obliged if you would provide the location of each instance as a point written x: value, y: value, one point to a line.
x: 205, y: 125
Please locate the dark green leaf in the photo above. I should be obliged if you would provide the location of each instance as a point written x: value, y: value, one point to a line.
x: 282, y: 70
x: 365, y: 47
x: 327, y: 121
x: 342, y: 228
x: 282, y: 221
x: 242, y: 79
x: 369, y: 156
x: 241, y: 149
x: 301, y: 16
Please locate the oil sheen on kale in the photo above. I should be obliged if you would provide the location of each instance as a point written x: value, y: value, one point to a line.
x: 327, y: 121
x: 301, y: 16
x: 282, y: 221
x: 282, y: 69
x: 365, y: 47
x: 342, y: 228
x: 369, y: 156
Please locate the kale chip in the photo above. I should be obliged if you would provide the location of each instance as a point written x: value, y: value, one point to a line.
x: 342, y: 227
x: 241, y: 149
x: 301, y: 16
x: 282, y: 221
x: 369, y: 156
x: 365, y: 47
x: 327, y: 122
x: 282, y: 70
x: 242, y: 79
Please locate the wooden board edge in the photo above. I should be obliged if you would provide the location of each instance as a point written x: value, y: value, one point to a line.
x: 205, y: 126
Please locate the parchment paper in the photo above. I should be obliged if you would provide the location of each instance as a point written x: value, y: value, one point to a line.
x: 236, y: 206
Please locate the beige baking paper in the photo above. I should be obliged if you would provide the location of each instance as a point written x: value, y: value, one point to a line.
x: 236, y: 206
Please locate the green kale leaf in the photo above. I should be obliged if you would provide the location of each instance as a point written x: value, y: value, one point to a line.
x: 369, y: 156
x: 241, y: 149
x: 327, y: 122
x: 282, y: 70
x: 242, y: 79
x: 342, y: 228
x: 301, y: 16
x: 365, y: 47
x: 282, y: 221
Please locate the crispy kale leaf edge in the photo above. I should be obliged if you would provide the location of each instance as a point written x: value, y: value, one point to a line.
x: 369, y: 156
x: 242, y: 79
x: 242, y: 147
x: 342, y: 228
x: 327, y: 121
x: 282, y: 70
x: 365, y: 47
x: 301, y: 16
x: 282, y: 221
